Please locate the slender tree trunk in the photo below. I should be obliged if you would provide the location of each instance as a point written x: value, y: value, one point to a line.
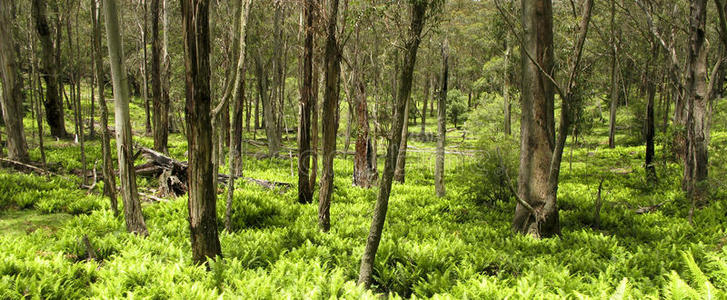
x: 76, y: 96
x: 330, y: 109
x: 442, y: 123
x: 697, y: 158
x: 53, y: 103
x: 506, y: 90
x: 614, y: 80
x: 109, y: 177
x: 129, y: 194
x: 36, y: 88
x: 427, y: 87
x: 144, y: 71
x: 305, y: 191
x: 202, y: 194
x: 236, y: 128
x: 12, y: 83
x: 363, y: 159
x: 160, y: 102
x: 418, y: 11
x: 314, y: 126
x: 651, y: 94
x: 400, y: 171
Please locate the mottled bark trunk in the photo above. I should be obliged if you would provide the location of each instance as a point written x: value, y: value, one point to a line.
x: 697, y: 158
x: 315, y: 111
x: 650, y: 128
x: 427, y: 94
x: 160, y: 103
x: 400, y: 171
x: 305, y: 191
x: 537, y: 130
x: 53, y: 102
x: 107, y: 167
x: 132, y: 207
x: 441, y: 124
x: 202, y: 192
x: 411, y: 46
x: 614, y: 80
x: 506, y: 106
x: 330, y: 109
x: 363, y: 168
x: 237, y: 107
x: 145, y: 72
x: 12, y: 83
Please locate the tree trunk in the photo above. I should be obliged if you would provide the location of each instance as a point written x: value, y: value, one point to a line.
x: 12, y: 83
x: 427, y: 87
x: 614, y: 80
x: 650, y: 129
x: 314, y: 126
x: 76, y: 96
x: 400, y: 171
x: 145, y: 72
x: 363, y: 171
x: 237, y: 108
x: 202, y: 192
x: 107, y: 167
x: 329, y: 123
x: 696, y: 162
x: 160, y: 102
x: 411, y: 46
x: 305, y: 191
x: 53, y: 103
x: 537, y: 130
x: 442, y: 124
x: 132, y: 207
x: 506, y: 106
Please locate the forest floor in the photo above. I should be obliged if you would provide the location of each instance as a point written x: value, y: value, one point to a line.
x: 460, y: 246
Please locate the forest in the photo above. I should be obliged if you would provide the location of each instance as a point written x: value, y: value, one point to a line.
x: 326, y: 149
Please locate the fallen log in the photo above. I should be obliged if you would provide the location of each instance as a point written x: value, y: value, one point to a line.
x: 172, y: 174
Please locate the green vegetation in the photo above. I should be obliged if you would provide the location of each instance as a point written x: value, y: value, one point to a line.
x: 460, y: 246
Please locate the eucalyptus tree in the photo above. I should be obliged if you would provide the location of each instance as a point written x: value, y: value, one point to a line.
x: 202, y: 192
x: 418, y: 15
x: 541, y: 151
x: 12, y: 84
x: 107, y: 168
x: 50, y: 71
x: 129, y: 194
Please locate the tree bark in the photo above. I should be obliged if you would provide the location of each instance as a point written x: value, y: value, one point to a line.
x: 363, y: 168
x: 442, y: 124
x: 506, y: 106
x: 129, y: 194
x: 12, y: 99
x: 315, y: 112
x: 418, y: 10
x: 160, y: 103
x: 697, y: 158
x: 650, y: 128
x: 202, y: 192
x: 107, y: 167
x: 305, y: 191
x: 53, y: 102
x: 537, y: 130
x: 541, y: 154
x: 427, y: 87
x: 614, y: 80
x: 145, y: 72
x: 329, y: 122
x: 236, y: 128
x: 400, y: 171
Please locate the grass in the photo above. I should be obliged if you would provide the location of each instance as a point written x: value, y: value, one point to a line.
x: 458, y: 247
